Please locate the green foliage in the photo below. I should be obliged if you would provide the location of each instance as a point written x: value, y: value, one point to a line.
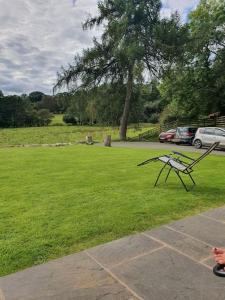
x: 195, y: 86
x: 62, y: 101
x: 69, y: 118
x: 12, y: 111
x: 47, y: 102
x: 16, y: 111
x: 76, y: 112
x: 104, y: 105
x: 152, y: 102
x: 36, y: 96
x: 44, y: 117
x: 56, y: 207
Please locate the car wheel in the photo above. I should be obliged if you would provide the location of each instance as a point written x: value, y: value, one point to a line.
x: 198, y: 144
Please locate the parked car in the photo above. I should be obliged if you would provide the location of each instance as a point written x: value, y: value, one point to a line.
x: 184, y: 135
x: 167, y: 136
x: 209, y: 135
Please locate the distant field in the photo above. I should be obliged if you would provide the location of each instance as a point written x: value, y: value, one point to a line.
x: 61, y: 134
x: 57, y: 120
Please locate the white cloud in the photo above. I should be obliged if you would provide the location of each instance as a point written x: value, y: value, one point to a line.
x: 38, y: 36
x: 181, y: 6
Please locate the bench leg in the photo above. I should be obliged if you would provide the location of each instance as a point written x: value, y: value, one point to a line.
x: 177, y: 172
x: 168, y: 174
x: 192, y: 179
x: 159, y: 175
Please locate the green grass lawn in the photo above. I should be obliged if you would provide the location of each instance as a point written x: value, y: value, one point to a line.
x: 62, y: 134
x: 56, y: 201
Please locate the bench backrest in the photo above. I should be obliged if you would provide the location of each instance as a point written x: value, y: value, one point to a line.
x: 210, y: 149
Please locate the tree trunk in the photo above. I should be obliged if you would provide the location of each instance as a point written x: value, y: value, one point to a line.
x: 108, y: 141
x: 126, y: 110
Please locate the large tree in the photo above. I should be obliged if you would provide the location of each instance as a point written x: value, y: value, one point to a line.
x: 36, y: 96
x: 197, y: 86
x: 135, y: 39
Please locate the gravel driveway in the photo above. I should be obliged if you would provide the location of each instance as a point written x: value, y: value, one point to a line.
x: 166, y: 146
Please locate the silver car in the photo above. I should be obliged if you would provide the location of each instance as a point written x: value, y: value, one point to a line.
x: 208, y: 135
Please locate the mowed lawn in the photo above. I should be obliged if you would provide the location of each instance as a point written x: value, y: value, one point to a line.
x: 56, y: 201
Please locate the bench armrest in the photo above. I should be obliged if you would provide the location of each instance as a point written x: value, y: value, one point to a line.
x: 148, y: 161
x: 153, y: 159
x: 183, y: 155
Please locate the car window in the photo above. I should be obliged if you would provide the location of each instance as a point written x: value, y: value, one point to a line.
x: 219, y: 132
x: 171, y: 131
x: 192, y: 130
x: 202, y: 130
x: 182, y: 129
x: 187, y: 129
x: 209, y: 131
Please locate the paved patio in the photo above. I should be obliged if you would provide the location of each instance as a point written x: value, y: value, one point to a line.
x: 170, y: 262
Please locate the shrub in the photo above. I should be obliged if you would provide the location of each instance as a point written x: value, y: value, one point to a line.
x: 70, y: 119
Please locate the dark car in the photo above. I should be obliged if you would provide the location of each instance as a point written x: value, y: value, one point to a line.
x: 184, y: 135
x: 167, y: 136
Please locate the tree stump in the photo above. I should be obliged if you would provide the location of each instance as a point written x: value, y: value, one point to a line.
x: 107, y: 141
x: 89, y: 140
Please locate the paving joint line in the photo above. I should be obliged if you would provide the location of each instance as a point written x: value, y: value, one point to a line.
x: 2, y: 297
x: 213, y: 219
x: 206, y: 258
x: 188, y: 235
x: 178, y: 251
x: 137, y: 256
x: 114, y: 276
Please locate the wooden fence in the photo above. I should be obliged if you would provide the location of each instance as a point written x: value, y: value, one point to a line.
x: 215, y: 122
x: 145, y: 136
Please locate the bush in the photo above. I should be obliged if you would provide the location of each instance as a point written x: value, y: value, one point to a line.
x: 154, y: 118
x: 70, y: 119
x: 44, y: 117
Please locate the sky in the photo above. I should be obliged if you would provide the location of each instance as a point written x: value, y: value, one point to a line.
x: 37, y: 37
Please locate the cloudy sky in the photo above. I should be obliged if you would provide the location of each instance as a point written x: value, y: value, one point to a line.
x: 39, y: 36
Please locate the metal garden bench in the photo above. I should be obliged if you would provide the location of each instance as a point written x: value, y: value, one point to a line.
x: 177, y: 165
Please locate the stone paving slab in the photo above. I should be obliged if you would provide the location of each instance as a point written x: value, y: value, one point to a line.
x: 124, y: 249
x: 181, y: 242
x: 165, y: 274
x: 75, y: 277
x: 207, y: 230
x: 217, y: 214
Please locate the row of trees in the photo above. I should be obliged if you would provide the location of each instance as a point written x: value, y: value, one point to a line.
x: 21, y: 111
x: 185, y: 62
x: 101, y: 105
x: 104, y: 105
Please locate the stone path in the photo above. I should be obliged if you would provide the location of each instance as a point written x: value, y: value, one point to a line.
x: 170, y: 262
x: 162, y: 146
